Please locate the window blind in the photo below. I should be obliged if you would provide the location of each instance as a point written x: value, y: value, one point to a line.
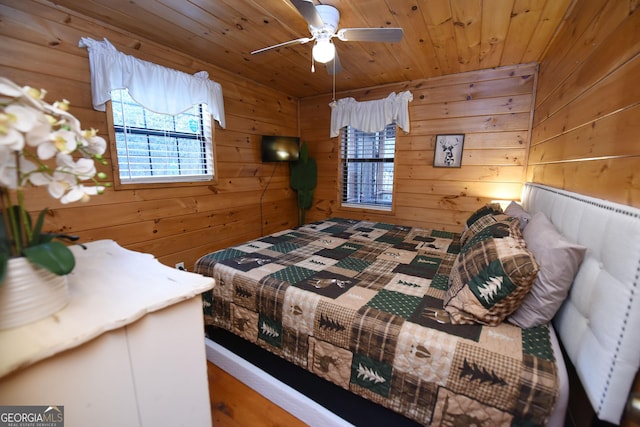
x: 368, y: 161
x: 153, y: 147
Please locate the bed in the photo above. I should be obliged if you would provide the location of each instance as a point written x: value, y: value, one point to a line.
x: 390, y: 313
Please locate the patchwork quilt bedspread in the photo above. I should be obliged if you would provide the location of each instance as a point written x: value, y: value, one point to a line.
x: 359, y: 303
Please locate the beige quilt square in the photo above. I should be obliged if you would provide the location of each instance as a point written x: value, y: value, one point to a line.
x: 245, y: 323
x: 223, y: 277
x: 425, y: 353
x: 504, y: 339
x: 397, y: 255
x: 457, y: 410
x: 299, y: 310
x: 355, y: 297
x: 329, y: 242
x: 253, y: 246
x: 317, y: 263
x: 330, y: 362
x: 264, y: 270
x: 408, y: 285
x: 368, y: 235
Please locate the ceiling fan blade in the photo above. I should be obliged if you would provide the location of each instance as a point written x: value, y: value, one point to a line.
x: 370, y: 34
x: 301, y: 40
x: 308, y: 11
x: 330, y: 65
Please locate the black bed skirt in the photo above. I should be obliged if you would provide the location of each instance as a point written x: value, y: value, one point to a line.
x: 348, y: 406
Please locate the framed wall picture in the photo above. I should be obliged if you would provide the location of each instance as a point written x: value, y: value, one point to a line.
x: 448, y: 151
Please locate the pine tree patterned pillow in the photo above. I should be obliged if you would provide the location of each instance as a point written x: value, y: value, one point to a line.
x: 492, y: 274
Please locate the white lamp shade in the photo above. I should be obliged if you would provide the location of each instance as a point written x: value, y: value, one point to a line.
x: 323, y: 51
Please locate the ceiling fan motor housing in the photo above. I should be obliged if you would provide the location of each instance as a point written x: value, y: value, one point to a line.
x: 330, y: 17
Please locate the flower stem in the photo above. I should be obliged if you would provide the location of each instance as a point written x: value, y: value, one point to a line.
x: 10, y: 225
x: 25, y: 232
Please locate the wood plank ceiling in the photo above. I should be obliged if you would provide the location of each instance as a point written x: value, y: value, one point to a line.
x: 440, y: 36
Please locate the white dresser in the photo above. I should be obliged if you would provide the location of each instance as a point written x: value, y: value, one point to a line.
x: 128, y: 350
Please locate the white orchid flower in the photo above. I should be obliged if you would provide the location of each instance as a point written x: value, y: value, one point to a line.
x: 25, y: 95
x: 65, y: 119
x: 39, y: 134
x: 59, y: 184
x: 9, y: 88
x: 39, y: 179
x: 65, y: 187
x: 82, y: 169
x: 11, y: 140
x: 8, y: 175
x: 81, y: 193
x: 15, y: 121
x: 85, y: 169
x: 96, y: 145
x: 64, y: 141
x: 8, y: 172
x: 22, y: 117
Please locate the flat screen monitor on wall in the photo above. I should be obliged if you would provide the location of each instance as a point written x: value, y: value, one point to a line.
x: 280, y: 148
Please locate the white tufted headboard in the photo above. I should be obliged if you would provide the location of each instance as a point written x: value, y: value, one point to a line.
x: 599, y: 323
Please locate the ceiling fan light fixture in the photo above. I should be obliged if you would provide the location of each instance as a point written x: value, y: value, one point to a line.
x: 323, y: 51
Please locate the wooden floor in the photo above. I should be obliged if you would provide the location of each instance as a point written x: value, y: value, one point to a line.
x: 233, y: 404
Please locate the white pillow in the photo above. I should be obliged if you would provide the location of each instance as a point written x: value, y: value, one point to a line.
x: 559, y: 260
x: 517, y: 211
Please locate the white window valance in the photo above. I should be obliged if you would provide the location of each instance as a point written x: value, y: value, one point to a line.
x: 371, y: 116
x: 157, y: 88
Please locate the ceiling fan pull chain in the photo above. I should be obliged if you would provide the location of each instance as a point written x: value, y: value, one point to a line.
x: 334, y: 82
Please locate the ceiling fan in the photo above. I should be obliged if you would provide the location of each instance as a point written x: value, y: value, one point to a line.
x: 323, y: 26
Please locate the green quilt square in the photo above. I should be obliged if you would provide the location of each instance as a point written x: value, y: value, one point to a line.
x: 482, y: 235
x: 384, y: 226
x: 370, y: 374
x: 491, y: 284
x: 293, y: 274
x: 454, y: 248
x: 443, y: 234
x: 225, y: 254
x: 395, y: 303
x: 536, y: 342
x: 354, y: 264
x: 284, y: 247
x: 391, y: 238
x: 335, y: 229
x: 270, y: 331
x: 440, y: 282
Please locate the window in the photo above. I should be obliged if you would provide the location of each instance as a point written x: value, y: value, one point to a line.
x: 367, y: 167
x: 153, y: 147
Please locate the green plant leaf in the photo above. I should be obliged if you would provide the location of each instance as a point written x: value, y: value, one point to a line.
x: 36, y: 238
x: 16, y: 224
x: 5, y: 243
x: 53, y: 256
x: 4, y: 260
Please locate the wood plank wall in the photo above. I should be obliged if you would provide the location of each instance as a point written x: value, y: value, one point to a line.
x: 493, y: 108
x: 587, y: 115
x: 39, y: 47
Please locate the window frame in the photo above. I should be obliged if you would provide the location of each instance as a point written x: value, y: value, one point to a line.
x: 377, y: 208
x: 163, y: 182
